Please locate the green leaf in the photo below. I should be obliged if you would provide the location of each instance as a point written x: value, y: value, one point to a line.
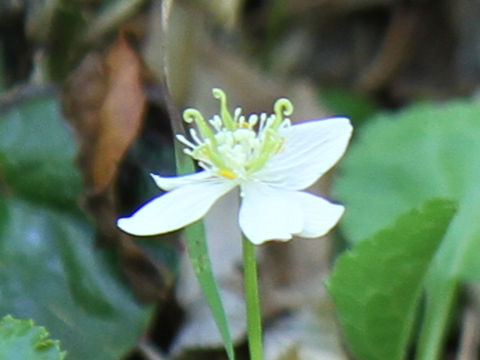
x: 63, y: 37
x: 37, y: 152
x: 401, y: 160
x: 50, y: 272
x: 200, y: 259
x: 49, y: 269
x: 356, y: 106
x: 20, y: 339
x: 376, y: 286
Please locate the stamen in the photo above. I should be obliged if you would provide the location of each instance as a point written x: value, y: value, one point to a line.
x: 216, y: 122
x: 204, y: 166
x: 269, y: 122
x: 185, y: 141
x: 236, y: 113
x: 235, y: 147
x: 241, y: 122
x: 193, y: 134
x: 263, y: 118
x: 285, y: 123
x: 252, y: 120
x: 227, y: 174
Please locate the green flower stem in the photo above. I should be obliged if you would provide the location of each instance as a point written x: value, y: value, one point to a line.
x: 254, y: 321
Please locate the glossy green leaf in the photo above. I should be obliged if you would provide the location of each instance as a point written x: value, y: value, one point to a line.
x: 37, y: 152
x: 376, y: 286
x: 49, y: 269
x: 21, y: 339
x: 399, y: 161
x: 50, y: 272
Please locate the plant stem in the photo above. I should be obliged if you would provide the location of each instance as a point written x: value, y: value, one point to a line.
x: 254, y: 321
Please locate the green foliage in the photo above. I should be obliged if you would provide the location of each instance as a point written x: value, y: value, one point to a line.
x: 50, y: 270
x: 401, y: 160
x: 346, y: 102
x: 20, y: 339
x: 63, y: 38
x: 376, y: 286
x: 37, y: 154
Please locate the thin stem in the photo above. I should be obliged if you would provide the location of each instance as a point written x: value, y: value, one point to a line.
x: 149, y: 351
x: 254, y: 321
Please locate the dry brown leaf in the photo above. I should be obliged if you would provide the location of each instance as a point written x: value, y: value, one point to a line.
x: 105, y: 101
x: 120, y: 117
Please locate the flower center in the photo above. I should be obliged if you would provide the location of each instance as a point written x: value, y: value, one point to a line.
x: 235, y: 147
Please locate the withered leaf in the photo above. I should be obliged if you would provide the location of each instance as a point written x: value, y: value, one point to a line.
x: 120, y: 117
x: 105, y: 101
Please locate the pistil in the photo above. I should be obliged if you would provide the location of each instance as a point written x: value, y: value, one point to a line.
x: 236, y: 147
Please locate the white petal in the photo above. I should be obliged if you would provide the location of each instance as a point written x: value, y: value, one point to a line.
x: 269, y: 213
x: 319, y: 215
x: 172, y: 182
x: 175, y: 209
x: 266, y: 213
x: 310, y: 149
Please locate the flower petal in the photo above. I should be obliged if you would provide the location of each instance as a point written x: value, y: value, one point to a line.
x: 266, y: 213
x: 311, y: 149
x: 175, y: 209
x: 171, y: 182
x: 269, y: 213
x: 319, y: 215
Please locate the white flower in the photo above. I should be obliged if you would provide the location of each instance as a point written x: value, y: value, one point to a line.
x: 270, y: 160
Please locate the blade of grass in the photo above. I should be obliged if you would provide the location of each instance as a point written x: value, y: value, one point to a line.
x: 446, y: 274
x: 198, y: 252
x: 2, y: 70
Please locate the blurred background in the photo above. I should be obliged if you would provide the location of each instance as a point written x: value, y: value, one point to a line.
x: 91, y: 93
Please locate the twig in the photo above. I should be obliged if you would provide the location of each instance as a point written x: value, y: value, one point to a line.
x: 21, y: 93
x: 149, y: 352
x: 468, y: 347
x: 114, y: 14
x: 394, y: 51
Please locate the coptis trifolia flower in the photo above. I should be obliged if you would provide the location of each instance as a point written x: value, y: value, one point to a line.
x: 269, y: 159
